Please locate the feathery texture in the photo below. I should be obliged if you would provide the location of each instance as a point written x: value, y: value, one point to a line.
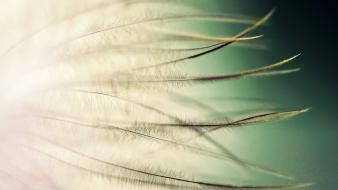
x: 91, y: 96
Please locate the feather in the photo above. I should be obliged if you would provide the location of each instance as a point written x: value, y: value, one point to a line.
x: 90, y: 97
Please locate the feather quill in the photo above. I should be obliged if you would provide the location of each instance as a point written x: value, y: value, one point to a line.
x: 90, y: 97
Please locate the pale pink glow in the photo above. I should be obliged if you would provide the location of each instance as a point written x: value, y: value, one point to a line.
x: 94, y: 96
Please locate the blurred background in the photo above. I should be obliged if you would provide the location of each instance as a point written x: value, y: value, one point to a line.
x: 305, y: 146
x: 310, y: 27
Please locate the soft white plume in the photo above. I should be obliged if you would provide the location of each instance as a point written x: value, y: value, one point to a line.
x: 92, y: 96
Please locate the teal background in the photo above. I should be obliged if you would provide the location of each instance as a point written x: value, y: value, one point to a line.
x: 305, y: 146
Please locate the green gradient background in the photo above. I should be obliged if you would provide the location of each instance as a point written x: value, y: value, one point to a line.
x: 304, y: 146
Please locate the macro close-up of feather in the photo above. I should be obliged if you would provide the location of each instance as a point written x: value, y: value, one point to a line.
x: 168, y: 94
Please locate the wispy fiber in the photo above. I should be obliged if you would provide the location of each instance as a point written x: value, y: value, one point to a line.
x: 95, y: 96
